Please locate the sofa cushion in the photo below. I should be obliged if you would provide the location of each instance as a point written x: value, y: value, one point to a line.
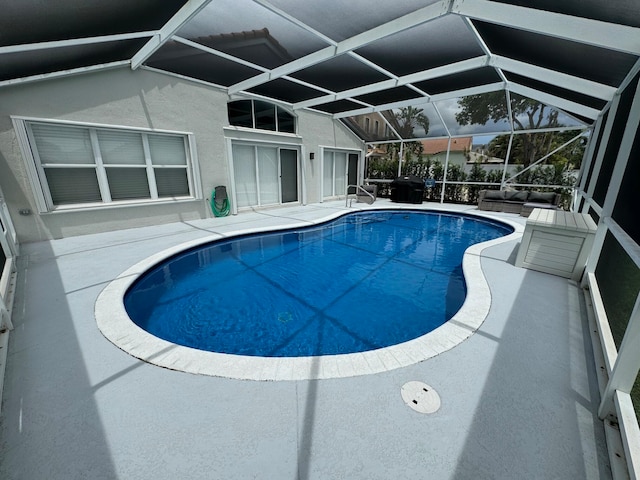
x: 517, y: 196
x: 540, y: 197
x: 494, y: 195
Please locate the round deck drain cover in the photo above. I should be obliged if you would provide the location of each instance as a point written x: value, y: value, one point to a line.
x: 421, y: 397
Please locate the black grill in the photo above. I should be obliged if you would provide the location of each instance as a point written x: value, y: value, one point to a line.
x: 407, y: 189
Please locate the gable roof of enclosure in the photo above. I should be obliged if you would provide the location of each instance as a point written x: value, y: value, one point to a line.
x: 342, y: 58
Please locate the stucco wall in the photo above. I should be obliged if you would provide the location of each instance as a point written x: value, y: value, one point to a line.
x: 321, y: 131
x: 138, y: 99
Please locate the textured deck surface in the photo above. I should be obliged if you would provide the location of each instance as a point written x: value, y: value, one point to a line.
x: 518, y: 398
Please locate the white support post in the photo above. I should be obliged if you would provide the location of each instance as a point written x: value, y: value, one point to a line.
x: 362, y: 158
x: 302, y: 162
x: 587, y: 160
x: 626, y: 368
x: 624, y: 152
x: 617, y: 175
x: 506, y: 161
x: 606, y: 133
x: 446, y: 169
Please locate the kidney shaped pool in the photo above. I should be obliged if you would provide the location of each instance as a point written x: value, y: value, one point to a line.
x: 361, y: 282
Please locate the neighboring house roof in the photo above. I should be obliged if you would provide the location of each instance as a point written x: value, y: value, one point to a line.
x: 255, y: 42
x: 432, y: 147
x: 258, y: 46
x: 377, y: 152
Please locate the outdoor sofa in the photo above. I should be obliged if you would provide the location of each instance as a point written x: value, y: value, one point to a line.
x: 521, y: 202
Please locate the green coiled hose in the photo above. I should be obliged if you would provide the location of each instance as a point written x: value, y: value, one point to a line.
x: 220, y: 205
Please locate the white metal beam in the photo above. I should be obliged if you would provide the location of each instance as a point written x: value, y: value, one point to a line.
x: 584, y: 30
x: 75, y: 42
x: 324, y: 38
x: 63, y: 73
x: 405, y: 22
x: 587, y: 160
x: 218, y: 53
x: 554, y: 101
x: 457, y: 67
x: 465, y: 92
x: 492, y: 87
x: 240, y: 61
x: 630, y: 76
x: 182, y: 16
x: 568, y: 82
x: 483, y: 45
x: 542, y: 159
x: 281, y: 13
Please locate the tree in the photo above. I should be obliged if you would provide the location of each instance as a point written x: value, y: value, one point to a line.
x: 526, y: 114
x: 410, y: 150
x: 405, y: 121
x: 571, y: 155
x: 408, y: 118
x: 477, y: 174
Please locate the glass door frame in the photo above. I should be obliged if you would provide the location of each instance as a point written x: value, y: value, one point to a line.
x: 360, y: 170
x: 255, y: 145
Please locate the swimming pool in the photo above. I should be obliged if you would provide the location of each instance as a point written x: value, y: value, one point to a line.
x: 364, y: 281
x: 401, y: 235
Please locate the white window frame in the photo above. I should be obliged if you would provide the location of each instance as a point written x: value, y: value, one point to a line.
x: 275, y: 106
x: 40, y: 187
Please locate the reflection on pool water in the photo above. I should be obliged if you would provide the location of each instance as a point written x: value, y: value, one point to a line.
x: 364, y: 281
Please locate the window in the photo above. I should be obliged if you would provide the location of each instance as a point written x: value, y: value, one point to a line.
x: 260, y: 115
x: 81, y: 165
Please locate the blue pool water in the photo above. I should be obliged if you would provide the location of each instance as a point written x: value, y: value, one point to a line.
x: 363, y: 281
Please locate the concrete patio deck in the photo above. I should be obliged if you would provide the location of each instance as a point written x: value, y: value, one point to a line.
x: 519, y: 397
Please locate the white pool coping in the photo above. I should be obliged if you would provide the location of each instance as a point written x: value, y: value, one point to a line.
x: 115, y: 324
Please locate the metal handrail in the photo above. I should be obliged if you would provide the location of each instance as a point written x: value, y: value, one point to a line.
x: 357, y: 187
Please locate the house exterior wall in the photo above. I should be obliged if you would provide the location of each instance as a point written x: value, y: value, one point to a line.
x: 139, y: 99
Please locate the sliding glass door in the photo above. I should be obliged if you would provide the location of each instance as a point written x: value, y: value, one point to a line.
x: 8, y: 253
x: 339, y: 169
x: 265, y: 175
